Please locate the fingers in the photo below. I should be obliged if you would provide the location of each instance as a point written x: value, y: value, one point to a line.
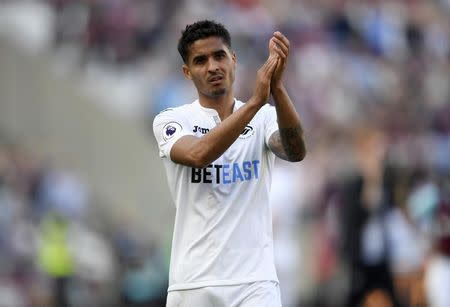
x: 267, y: 70
x: 279, y: 44
x: 282, y: 38
x: 272, y: 48
x: 279, y: 47
x: 270, y: 61
x: 269, y: 67
x: 264, y: 79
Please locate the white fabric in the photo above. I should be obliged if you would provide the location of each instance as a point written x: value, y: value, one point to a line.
x: 260, y: 294
x: 437, y: 281
x: 372, y: 241
x: 407, y: 246
x: 223, y: 222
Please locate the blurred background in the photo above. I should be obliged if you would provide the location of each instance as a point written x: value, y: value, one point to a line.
x: 85, y: 213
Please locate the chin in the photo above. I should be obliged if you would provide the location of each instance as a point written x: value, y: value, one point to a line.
x: 218, y: 92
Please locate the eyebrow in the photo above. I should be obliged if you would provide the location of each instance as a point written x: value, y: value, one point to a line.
x: 221, y: 51
x: 203, y: 56
x: 198, y: 57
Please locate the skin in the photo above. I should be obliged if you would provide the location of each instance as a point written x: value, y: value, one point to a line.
x: 211, y: 66
x: 287, y: 143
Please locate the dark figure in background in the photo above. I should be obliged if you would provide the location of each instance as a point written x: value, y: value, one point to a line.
x: 364, y: 207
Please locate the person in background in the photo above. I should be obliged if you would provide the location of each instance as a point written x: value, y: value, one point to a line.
x: 363, y: 218
x: 437, y: 270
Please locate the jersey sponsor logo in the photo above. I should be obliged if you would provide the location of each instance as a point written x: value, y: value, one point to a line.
x: 200, y: 129
x: 226, y: 173
x: 170, y: 129
x: 247, y: 132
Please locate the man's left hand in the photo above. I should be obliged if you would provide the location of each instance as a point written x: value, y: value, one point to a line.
x: 279, y: 45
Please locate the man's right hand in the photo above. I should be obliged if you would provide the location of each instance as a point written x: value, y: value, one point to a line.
x: 263, y: 80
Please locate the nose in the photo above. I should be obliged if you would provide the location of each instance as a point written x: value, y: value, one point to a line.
x: 213, y: 65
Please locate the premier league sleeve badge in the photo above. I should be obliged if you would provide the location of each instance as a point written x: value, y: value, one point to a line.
x: 170, y: 130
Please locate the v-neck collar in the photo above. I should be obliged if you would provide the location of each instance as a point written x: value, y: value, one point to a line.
x: 213, y: 112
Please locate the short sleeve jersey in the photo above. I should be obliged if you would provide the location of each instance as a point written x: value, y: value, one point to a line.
x: 223, y: 221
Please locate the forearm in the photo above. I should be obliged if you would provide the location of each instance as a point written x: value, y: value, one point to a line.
x: 219, y: 139
x: 286, y: 114
x: 290, y: 133
x: 200, y: 152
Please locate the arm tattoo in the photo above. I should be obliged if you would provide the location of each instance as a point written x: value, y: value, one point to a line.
x: 288, y: 144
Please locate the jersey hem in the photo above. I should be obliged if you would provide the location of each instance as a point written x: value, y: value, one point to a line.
x: 215, y: 283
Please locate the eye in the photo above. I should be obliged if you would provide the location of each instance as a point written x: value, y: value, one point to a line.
x: 199, y: 60
x: 220, y: 55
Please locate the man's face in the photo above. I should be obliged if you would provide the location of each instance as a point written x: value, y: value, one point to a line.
x: 211, y: 66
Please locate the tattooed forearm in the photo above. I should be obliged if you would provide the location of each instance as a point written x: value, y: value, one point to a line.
x: 288, y: 144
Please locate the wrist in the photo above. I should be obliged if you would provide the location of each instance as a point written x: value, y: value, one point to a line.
x: 255, y: 102
x: 277, y: 89
x: 277, y: 86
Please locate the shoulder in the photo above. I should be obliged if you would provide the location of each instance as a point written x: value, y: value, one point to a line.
x: 172, y: 121
x: 174, y: 113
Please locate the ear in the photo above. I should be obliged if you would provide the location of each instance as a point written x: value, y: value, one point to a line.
x: 234, y: 59
x: 187, y: 72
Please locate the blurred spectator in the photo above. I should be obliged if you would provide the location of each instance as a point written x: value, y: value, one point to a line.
x: 364, y: 208
x: 438, y: 266
x: 55, y: 257
x: 145, y: 279
x: 407, y: 245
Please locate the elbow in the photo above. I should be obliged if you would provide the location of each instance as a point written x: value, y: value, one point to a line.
x: 199, y: 159
x: 200, y: 162
x: 302, y: 155
x: 299, y: 156
x: 303, y: 152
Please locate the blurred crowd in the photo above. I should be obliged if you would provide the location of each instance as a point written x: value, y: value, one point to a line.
x: 365, y: 218
x: 58, y: 250
x: 115, y: 31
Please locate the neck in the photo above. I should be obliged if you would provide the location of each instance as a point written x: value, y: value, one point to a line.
x: 223, y: 104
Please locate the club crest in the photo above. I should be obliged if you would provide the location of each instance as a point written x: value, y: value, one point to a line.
x: 247, y: 132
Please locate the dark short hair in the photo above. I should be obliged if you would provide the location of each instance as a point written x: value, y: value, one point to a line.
x: 200, y: 30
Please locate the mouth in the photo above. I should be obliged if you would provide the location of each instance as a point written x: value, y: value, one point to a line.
x: 215, y: 79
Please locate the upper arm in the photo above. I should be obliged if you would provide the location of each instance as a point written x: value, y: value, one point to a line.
x: 273, y: 139
x: 176, y: 140
x: 168, y: 128
x: 288, y: 144
x: 276, y: 146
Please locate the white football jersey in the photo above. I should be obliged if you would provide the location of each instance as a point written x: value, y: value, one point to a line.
x: 223, y: 222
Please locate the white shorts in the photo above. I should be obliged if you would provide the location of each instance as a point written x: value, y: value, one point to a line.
x: 256, y: 294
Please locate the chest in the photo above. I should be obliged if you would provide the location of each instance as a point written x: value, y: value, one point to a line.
x: 249, y: 145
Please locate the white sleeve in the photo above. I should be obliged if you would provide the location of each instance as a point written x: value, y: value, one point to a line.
x: 271, y: 123
x: 168, y: 127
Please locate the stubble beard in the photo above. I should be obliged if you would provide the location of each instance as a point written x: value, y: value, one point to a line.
x: 218, y: 93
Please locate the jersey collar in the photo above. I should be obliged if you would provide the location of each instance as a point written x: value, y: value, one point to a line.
x: 213, y: 112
